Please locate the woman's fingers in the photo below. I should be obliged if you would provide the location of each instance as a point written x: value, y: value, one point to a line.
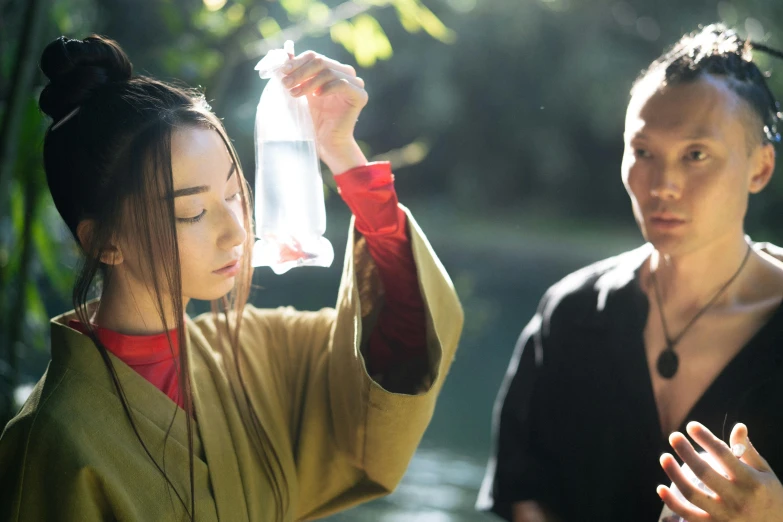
x: 351, y: 91
x: 307, y: 65
x: 742, y: 448
x: 689, y: 490
x: 331, y: 82
x: 683, y: 509
x: 315, y: 84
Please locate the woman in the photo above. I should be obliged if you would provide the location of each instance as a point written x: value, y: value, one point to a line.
x: 263, y: 414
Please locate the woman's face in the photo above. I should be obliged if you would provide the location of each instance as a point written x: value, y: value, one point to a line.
x: 208, y: 206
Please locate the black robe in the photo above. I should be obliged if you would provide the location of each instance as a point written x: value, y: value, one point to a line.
x: 576, y: 425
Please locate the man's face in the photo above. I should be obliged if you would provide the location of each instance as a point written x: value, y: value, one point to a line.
x: 689, y: 163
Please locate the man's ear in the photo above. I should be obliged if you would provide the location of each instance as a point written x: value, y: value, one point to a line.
x: 763, y: 167
x: 110, y: 254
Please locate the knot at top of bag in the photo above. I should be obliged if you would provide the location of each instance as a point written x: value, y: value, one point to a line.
x: 274, y: 60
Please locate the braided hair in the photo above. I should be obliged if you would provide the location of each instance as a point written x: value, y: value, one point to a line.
x: 720, y: 51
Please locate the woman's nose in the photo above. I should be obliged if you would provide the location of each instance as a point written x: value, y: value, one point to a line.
x: 233, y: 231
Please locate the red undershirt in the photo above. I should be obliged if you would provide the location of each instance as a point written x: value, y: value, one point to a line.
x: 400, y: 333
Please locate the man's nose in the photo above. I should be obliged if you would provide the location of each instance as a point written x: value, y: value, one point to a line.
x: 666, y: 183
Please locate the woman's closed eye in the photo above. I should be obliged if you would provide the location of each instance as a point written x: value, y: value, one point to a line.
x: 194, y: 219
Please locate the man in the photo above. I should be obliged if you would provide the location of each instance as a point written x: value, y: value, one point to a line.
x: 688, y: 327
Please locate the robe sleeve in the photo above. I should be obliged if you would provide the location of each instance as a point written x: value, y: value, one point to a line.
x: 519, y: 469
x: 396, y: 349
x: 351, y: 438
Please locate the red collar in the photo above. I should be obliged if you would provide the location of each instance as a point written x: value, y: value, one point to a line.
x: 135, y: 350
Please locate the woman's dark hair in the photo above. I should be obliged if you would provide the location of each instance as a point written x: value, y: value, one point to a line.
x: 107, y: 158
x: 720, y: 51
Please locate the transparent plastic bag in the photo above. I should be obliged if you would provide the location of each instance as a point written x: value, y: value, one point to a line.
x: 289, y: 199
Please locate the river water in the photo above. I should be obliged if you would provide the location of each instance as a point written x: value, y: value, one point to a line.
x: 500, y: 274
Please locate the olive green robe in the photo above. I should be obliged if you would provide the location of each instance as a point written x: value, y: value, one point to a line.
x: 336, y: 436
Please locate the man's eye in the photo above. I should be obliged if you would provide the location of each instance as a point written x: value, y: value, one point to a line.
x: 697, y: 155
x: 641, y: 153
x: 194, y: 219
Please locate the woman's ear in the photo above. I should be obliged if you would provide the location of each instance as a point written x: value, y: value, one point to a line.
x: 110, y: 254
x: 763, y: 167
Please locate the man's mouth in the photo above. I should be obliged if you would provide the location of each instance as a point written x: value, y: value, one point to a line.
x: 666, y: 220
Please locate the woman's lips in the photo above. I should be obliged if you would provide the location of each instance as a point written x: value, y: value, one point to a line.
x: 229, y: 270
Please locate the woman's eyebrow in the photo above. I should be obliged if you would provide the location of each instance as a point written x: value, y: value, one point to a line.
x: 190, y: 191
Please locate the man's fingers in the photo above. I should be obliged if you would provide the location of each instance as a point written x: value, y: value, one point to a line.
x: 720, y: 451
x: 700, y: 467
x: 743, y: 449
x: 683, y: 509
x: 690, y: 491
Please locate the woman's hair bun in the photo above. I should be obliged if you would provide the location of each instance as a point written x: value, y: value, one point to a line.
x: 77, y: 68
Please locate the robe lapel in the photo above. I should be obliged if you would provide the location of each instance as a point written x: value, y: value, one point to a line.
x: 758, y: 363
x: 622, y: 315
x: 221, y: 455
x: 76, y: 351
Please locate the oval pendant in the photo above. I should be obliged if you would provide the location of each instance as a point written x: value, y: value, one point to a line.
x: 668, y: 362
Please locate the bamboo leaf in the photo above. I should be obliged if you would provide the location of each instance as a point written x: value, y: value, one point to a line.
x: 36, y: 311
x: 296, y: 8
x: 342, y: 33
x: 318, y: 13
x: 434, y: 27
x: 46, y: 247
x: 406, y: 12
x: 370, y: 41
x: 268, y: 27
x: 17, y: 208
x: 171, y: 17
x: 235, y: 14
x: 415, y: 16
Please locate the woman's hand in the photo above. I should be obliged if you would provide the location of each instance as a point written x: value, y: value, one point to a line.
x: 751, y: 492
x: 336, y: 97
